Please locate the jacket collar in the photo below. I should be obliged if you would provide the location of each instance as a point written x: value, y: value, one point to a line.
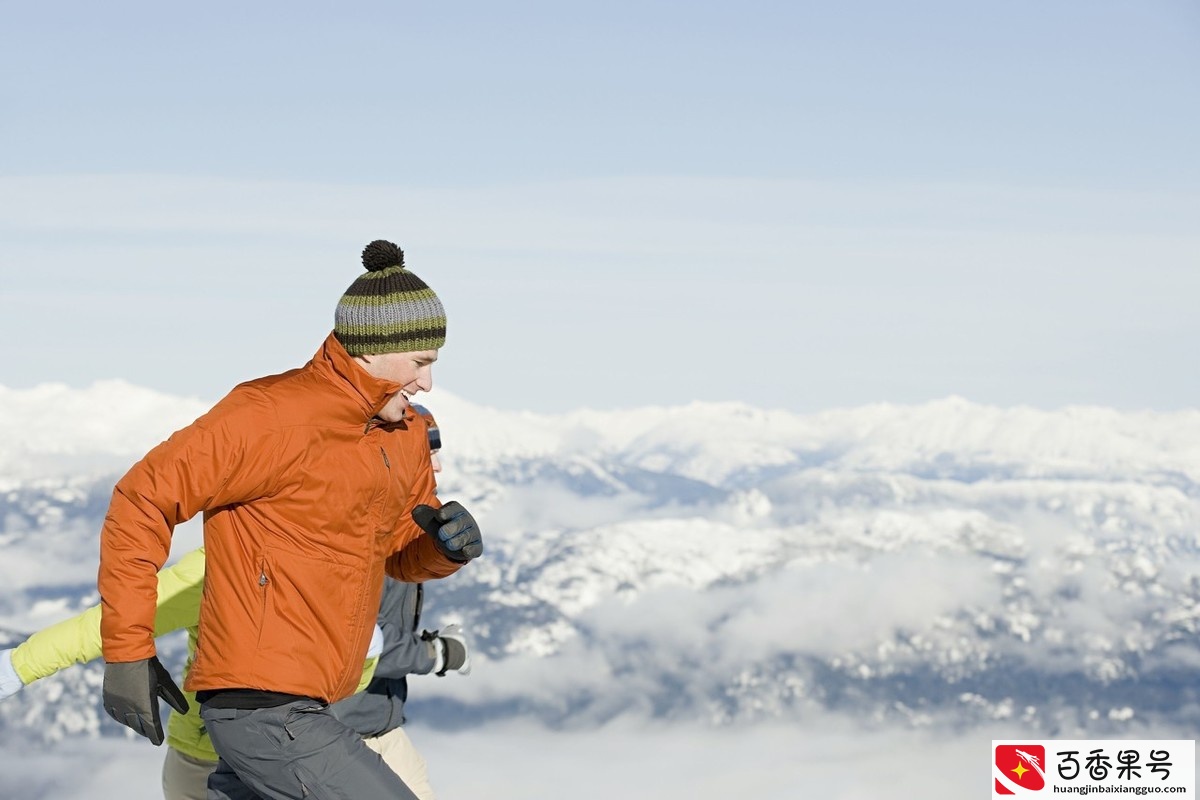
x: 335, y: 364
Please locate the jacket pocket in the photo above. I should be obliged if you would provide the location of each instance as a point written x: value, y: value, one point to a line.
x: 312, y: 622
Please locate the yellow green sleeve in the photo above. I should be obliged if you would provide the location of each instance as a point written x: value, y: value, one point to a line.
x: 367, y: 674
x: 77, y: 640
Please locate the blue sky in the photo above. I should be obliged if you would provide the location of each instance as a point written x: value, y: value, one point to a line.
x: 799, y: 205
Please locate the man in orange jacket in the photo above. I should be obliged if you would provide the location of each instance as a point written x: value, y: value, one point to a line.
x: 313, y: 484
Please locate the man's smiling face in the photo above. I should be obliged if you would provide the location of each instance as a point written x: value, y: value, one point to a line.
x: 413, y: 371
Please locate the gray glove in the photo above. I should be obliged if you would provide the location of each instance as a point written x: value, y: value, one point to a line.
x: 451, y: 651
x: 131, y: 692
x: 453, y: 530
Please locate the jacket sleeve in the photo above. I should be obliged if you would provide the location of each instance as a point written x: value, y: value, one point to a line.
x: 77, y: 640
x: 404, y: 652
x: 416, y: 558
x: 222, y: 458
x: 368, y: 674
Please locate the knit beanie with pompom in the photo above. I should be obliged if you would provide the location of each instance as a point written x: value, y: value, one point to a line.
x: 388, y: 309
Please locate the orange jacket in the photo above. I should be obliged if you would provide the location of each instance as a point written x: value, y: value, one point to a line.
x: 307, y: 498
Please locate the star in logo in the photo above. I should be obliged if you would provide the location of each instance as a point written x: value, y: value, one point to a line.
x: 1017, y: 768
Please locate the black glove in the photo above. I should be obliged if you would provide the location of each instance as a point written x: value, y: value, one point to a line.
x: 131, y: 692
x: 453, y: 530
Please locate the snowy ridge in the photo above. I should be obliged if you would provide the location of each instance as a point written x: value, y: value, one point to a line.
x: 706, y: 441
x: 946, y: 562
x: 713, y: 441
x: 54, y: 430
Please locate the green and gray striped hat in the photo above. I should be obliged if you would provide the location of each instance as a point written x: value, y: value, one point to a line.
x: 388, y: 309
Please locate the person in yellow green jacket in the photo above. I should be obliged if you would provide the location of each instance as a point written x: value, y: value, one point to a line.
x: 375, y: 711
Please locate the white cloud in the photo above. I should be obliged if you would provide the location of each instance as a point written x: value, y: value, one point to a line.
x: 824, y: 758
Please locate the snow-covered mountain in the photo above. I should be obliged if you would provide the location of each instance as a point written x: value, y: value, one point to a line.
x: 942, y: 563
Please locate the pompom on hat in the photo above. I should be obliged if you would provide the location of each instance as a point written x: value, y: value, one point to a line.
x: 388, y: 309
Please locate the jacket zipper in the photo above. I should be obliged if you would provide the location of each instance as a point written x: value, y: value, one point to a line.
x: 416, y: 623
x: 263, y: 580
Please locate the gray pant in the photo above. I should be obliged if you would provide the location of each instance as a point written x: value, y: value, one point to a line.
x: 294, y: 752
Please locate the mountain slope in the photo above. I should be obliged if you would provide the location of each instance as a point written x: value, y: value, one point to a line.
x: 943, y: 563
